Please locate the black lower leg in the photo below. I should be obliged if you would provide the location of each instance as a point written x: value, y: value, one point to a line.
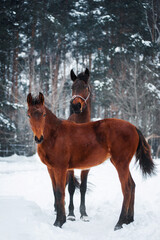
x: 130, y: 215
x: 71, y: 189
x: 122, y: 218
x: 126, y: 215
x: 83, y: 188
x: 55, y: 201
x: 61, y: 217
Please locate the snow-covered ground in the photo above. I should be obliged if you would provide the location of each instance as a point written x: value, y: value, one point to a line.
x: 26, y: 204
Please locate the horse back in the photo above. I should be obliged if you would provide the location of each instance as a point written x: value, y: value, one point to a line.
x: 89, y: 144
x: 94, y: 142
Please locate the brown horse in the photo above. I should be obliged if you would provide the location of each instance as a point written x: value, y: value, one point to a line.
x: 64, y: 145
x: 80, y: 112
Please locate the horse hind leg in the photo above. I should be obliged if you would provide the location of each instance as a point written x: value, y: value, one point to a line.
x: 130, y: 216
x: 126, y: 215
x: 71, y: 189
x: 83, y: 188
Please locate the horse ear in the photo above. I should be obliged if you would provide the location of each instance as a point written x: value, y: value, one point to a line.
x: 29, y: 99
x: 41, y: 98
x: 87, y: 72
x: 73, y: 75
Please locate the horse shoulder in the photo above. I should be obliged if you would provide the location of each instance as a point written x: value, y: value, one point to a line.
x: 42, y: 154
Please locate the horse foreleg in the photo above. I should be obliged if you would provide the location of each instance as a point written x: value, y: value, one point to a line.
x: 60, y: 179
x: 51, y: 173
x: 71, y: 189
x: 83, y: 188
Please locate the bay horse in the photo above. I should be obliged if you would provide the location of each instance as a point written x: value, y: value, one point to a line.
x: 80, y: 112
x: 65, y: 145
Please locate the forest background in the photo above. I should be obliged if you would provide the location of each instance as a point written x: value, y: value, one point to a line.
x: 42, y: 40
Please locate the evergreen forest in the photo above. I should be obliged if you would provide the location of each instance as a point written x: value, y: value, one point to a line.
x: 42, y: 40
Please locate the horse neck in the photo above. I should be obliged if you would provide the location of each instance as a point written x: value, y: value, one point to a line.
x: 83, y: 117
x: 51, y: 123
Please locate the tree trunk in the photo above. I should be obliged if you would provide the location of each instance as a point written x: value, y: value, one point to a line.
x: 31, y: 58
x: 15, y: 71
x: 55, y: 77
x: 90, y: 61
x: 135, y: 94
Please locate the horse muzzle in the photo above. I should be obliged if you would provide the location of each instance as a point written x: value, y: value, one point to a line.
x: 77, y: 108
x: 38, y: 140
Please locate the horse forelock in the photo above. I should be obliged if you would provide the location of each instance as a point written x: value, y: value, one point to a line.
x: 80, y: 83
x: 35, y: 101
x: 83, y: 77
x: 36, y: 107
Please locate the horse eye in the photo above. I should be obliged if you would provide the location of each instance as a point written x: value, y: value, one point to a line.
x: 44, y: 115
x: 29, y: 116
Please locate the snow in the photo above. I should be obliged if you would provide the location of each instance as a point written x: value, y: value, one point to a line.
x: 119, y: 49
x: 26, y: 204
x: 153, y: 89
x: 76, y: 13
x: 147, y: 43
x: 51, y: 18
x: 6, y: 122
x: 98, y: 84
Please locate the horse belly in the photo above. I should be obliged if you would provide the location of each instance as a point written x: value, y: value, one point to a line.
x: 93, y: 159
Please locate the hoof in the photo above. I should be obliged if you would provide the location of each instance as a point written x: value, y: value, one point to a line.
x: 71, y: 218
x: 59, y: 223
x: 85, y: 218
x: 129, y: 220
x: 117, y: 227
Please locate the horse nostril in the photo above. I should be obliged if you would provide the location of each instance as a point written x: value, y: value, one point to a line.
x: 79, y: 105
x: 76, y: 107
x: 37, y: 140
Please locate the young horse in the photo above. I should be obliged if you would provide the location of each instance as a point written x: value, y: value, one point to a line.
x: 64, y: 145
x: 80, y: 112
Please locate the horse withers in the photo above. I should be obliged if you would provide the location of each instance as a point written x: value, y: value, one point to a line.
x: 65, y: 145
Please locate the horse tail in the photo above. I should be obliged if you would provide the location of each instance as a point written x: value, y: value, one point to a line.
x: 143, y: 155
x: 73, y: 179
x: 76, y: 183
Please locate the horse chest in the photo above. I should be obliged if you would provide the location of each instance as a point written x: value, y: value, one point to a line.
x: 45, y: 156
x: 51, y: 157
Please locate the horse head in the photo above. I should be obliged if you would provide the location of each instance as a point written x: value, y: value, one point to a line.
x: 80, y: 91
x: 36, y: 113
